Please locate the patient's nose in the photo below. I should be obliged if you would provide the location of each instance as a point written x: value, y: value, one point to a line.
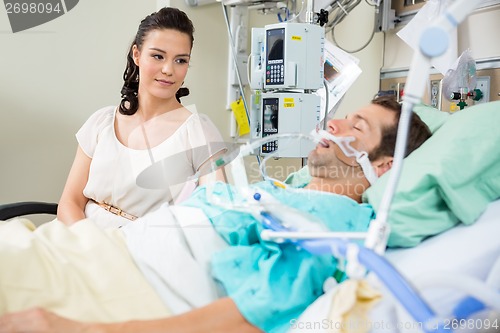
x: 337, y: 126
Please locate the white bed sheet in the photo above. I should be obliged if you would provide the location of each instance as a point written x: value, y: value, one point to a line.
x: 176, y: 239
x: 464, y: 250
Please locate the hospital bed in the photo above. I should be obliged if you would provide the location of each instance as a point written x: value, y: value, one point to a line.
x: 443, y: 253
x: 462, y: 247
x: 439, y: 269
x: 447, y: 213
x: 446, y: 209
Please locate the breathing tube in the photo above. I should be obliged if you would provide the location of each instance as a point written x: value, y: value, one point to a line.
x: 345, y: 153
x: 385, y: 272
x: 361, y: 157
x: 344, y: 143
x: 238, y: 171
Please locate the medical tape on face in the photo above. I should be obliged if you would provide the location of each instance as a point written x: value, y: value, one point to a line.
x: 344, y: 143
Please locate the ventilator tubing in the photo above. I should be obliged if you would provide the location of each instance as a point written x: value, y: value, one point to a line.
x: 351, y: 153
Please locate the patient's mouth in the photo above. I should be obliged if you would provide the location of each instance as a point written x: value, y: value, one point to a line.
x: 325, y: 143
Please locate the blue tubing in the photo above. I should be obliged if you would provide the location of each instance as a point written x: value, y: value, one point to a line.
x: 399, y: 287
x: 467, y: 307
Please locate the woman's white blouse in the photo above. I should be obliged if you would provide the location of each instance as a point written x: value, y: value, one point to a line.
x: 115, y: 168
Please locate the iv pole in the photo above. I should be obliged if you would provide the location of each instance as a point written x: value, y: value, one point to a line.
x: 433, y: 42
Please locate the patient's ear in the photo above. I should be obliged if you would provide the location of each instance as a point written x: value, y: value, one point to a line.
x: 382, y: 164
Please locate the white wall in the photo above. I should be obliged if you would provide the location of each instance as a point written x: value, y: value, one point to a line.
x: 55, y: 75
x: 477, y: 32
x: 52, y: 78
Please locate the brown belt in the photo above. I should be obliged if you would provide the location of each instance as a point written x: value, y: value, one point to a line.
x: 115, y: 210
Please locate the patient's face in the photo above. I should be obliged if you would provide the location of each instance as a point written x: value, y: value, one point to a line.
x: 365, y: 125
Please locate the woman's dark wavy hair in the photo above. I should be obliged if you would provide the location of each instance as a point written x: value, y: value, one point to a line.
x: 165, y: 18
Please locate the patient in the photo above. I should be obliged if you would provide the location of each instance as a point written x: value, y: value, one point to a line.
x: 265, y: 284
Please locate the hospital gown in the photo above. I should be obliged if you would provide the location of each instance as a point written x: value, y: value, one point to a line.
x: 270, y: 283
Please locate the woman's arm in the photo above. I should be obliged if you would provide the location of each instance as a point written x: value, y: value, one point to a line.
x: 220, y: 316
x: 209, y: 170
x: 71, y: 207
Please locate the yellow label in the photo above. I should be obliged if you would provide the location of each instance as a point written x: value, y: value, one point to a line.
x: 240, y: 115
x: 454, y: 107
x: 257, y: 97
x: 288, y: 102
x: 297, y: 38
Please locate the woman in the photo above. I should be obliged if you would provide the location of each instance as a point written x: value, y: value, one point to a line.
x: 118, y: 144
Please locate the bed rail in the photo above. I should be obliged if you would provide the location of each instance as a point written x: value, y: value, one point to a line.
x: 8, y: 211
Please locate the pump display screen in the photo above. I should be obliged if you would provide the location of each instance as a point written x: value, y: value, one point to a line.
x: 275, y: 46
x: 270, y: 122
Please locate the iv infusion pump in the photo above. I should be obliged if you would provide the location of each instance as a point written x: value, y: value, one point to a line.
x: 285, y: 112
x: 287, y: 56
x: 286, y: 67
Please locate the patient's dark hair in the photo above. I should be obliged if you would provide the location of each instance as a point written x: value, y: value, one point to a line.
x: 419, y: 132
x: 165, y: 18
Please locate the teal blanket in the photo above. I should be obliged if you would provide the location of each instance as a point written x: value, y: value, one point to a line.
x: 273, y: 283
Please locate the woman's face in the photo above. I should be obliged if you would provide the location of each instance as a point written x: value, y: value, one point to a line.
x: 163, y: 62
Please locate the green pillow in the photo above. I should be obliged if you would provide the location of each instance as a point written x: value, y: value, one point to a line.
x: 450, y: 178
x: 433, y: 118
